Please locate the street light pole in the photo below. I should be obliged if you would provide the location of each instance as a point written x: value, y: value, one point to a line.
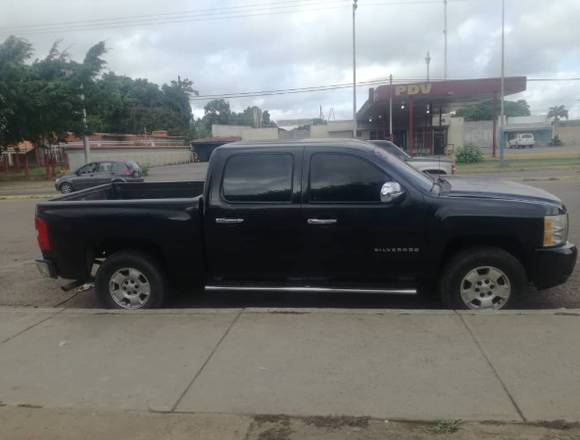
x: 502, y: 86
x: 86, y: 146
x: 354, y: 68
x: 444, y: 39
x: 428, y: 61
x: 391, y: 107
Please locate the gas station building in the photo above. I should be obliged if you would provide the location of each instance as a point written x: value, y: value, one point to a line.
x: 418, y: 110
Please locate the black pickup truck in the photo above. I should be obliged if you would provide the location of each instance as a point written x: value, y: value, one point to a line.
x: 318, y: 216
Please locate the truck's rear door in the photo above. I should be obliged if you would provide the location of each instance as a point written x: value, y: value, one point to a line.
x: 253, y: 220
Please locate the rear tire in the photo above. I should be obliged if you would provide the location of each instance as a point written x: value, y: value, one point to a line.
x: 482, y: 278
x: 130, y: 280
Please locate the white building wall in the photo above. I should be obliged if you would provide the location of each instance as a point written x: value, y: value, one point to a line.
x: 245, y: 132
x: 150, y: 156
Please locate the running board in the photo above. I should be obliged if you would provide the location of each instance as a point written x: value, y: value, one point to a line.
x: 310, y: 289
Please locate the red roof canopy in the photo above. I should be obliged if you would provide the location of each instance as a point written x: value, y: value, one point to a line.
x: 440, y: 93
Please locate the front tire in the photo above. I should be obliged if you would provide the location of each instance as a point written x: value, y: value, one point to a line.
x: 66, y: 188
x: 130, y: 280
x: 482, y: 278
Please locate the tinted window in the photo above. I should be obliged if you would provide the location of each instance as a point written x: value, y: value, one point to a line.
x: 418, y: 178
x: 105, y: 167
x: 119, y: 167
x: 258, y: 177
x: 88, y: 169
x: 344, y: 178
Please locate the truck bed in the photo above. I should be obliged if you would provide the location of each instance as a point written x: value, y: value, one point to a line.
x: 137, y: 191
x: 161, y: 217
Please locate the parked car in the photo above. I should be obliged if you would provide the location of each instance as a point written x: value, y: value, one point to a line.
x: 428, y: 164
x: 314, y: 216
x: 522, y: 140
x: 97, y: 173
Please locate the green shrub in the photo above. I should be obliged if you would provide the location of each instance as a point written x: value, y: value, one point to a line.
x: 144, y: 169
x: 469, y: 154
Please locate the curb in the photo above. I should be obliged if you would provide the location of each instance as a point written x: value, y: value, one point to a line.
x: 27, y: 196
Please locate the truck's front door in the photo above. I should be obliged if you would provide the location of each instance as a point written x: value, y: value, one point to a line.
x: 253, y: 222
x: 352, y: 236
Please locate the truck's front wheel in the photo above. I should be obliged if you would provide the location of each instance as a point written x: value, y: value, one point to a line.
x: 482, y: 278
x: 130, y: 280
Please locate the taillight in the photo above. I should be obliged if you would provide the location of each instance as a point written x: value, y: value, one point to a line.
x: 453, y: 169
x: 42, y: 234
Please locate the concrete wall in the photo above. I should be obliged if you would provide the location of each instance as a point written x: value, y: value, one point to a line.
x: 150, y: 156
x: 569, y: 135
x: 245, y: 132
x: 455, y: 134
x: 478, y: 133
x: 339, y: 129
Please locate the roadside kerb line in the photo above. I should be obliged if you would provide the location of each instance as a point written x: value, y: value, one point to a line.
x: 496, y: 374
x: 187, y: 388
x: 27, y: 196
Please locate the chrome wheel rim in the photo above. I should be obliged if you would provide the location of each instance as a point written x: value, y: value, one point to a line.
x: 485, y: 288
x: 129, y: 288
x: 66, y: 188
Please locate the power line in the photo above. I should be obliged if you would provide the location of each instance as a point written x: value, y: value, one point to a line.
x: 249, y: 10
x: 329, y: 87
x: 213, y: 10
x: 190, y: 13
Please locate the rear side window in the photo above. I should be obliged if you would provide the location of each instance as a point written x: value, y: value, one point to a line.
x: 105, y: 167
x: 336, y: 177
x: 258, y: 177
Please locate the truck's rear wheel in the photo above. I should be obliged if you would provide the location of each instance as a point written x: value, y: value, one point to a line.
x: 482, y: 278
x: 130, y: 280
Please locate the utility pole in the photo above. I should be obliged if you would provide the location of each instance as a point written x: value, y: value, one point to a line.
x: 391, y: 107
x: 86, y: 145
x: 428, y: 61
x: 444, y: 39
x: 502, y: 92
x: 354, y: 6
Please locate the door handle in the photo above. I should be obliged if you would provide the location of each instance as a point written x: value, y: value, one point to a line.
x: 229, y: 220
x: 322, y: 221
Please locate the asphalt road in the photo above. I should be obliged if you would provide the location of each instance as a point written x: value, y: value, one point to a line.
x: 20, y: 284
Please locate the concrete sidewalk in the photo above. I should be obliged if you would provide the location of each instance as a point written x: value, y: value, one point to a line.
x: 416, y: 365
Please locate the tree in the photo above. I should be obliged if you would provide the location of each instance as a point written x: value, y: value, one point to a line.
x: 217, y: 112
x: 41, y: 101
x: 14, y: 52
x: 556, y: 113
x: 483, y: 111
x: 266, y: 121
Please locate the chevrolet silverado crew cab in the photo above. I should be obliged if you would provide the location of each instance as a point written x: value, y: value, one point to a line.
x: 314, y: 216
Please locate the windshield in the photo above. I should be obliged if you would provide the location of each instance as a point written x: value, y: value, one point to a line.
x: 416, y: 177
x: 391, y: 148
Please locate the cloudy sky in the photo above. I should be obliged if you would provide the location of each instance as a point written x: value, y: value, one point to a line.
x: 247, y: 45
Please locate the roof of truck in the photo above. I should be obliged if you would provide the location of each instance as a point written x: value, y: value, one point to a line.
x: 318, y: 142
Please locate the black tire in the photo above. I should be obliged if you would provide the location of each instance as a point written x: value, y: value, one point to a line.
x: 468, y: 260
x: 66, y: 188
x: 116, y: 265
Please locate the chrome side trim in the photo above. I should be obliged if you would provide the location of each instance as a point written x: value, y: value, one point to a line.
x: 309, y: 289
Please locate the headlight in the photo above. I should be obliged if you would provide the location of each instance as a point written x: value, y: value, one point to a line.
x: 555, y: 229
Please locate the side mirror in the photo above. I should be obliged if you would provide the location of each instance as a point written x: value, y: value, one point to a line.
x: 391, y: 191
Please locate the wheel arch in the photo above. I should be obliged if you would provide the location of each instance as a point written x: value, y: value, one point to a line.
x: 508, y: 244
x: 112, y: 245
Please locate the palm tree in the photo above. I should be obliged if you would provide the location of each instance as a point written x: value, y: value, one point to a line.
x: 557, y: 112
